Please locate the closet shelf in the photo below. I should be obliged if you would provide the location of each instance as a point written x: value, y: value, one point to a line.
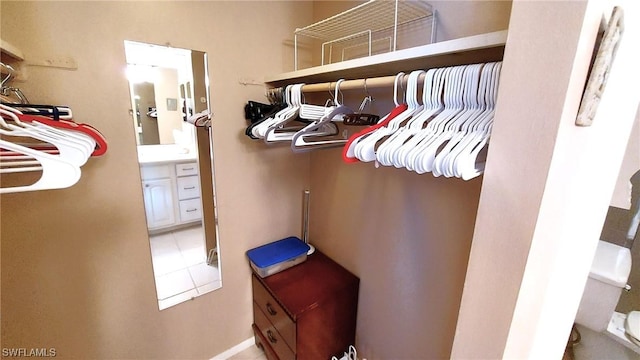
x: 468, y: 50
x: 12, y: 51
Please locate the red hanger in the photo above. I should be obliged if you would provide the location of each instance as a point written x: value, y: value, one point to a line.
x: 395, y: 112
x: 101, y: 142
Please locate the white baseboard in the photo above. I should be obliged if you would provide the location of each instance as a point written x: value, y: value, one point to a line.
x: 234, y: 350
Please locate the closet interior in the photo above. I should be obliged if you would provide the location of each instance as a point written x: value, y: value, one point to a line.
x: 418, y: 110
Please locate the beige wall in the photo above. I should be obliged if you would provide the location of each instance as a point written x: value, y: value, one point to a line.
x: 76, y: 265
x: 547, y: 183
x: 84, y: 268
x: 406, y: 236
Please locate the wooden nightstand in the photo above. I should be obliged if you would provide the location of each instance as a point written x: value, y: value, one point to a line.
x: 307, y: 311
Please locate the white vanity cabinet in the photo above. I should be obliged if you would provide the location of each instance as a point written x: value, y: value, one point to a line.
x: 171, y: 194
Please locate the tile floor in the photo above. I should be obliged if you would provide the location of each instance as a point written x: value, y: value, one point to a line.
x: 180, y: 267
x: 252, y: 353
x: 595, y: 346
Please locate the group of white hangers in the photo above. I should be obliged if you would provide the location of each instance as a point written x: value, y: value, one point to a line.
x: 43, y: 138
x: 445, y: 133
x: 442, y: 127
x: 320, y: 130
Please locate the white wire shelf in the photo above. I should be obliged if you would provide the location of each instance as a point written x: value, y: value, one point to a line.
x: 367, y: 20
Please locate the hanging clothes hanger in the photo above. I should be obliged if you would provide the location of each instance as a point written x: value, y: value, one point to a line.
x: 305, y: 140
x: 359, y: 118
x: 278, y: 133
x: 446, y: 159
x: 365, y: 148
x: 456, y: 129
x: 260, y: 129
x: 57, y: 173
x: 69, y: 148
x: 316, y: 112
x: 83, y: 131
x: 386, y: 144
x: 453, y: 105
x: 349, y: 150
x: 56, y: 112
x: 471, y: 164
x: 432, y: 98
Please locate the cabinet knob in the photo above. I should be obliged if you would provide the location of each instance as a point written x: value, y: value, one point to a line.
x: 271, y: 310
x: 272, y: 339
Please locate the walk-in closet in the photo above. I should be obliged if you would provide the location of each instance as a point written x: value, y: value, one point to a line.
x: 427, y: 150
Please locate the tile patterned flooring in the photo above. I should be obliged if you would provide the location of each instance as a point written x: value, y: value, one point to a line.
x: 180, y: 266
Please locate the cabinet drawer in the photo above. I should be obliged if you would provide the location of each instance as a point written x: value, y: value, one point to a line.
x: 187, y: 169
x: 155, y: 172
x: 271, y: 336
x: 274, y: 312
x: 188, y: 187
x: 263, y: 344
x: 190, y: 210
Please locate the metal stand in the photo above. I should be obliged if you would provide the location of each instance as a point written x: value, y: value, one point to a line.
x: 305, y: 222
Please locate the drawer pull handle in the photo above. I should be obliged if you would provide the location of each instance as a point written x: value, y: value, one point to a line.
x: 187, y: 169
x: 189, y: 188
x: 271, y: 310
x: 271, y: 338
x: 191, y: 210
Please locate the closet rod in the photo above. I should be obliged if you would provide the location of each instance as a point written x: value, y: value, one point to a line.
x: 376, y: 82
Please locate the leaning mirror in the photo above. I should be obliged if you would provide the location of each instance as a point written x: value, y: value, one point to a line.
x: 169, y: 89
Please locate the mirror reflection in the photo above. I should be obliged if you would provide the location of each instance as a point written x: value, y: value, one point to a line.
x: 168, y: 86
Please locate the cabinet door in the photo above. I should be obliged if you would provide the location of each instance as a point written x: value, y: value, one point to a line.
x: 158, y: 202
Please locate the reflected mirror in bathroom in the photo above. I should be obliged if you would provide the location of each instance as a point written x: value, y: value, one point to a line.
x: 167, y: 85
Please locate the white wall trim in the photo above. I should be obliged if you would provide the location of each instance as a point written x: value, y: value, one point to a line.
x: 234, y: 350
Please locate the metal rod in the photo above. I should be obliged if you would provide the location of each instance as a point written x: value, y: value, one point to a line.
x: 377, y: 82
x: 305, y: 222
x: 295, y: 52
x: 395, y: 27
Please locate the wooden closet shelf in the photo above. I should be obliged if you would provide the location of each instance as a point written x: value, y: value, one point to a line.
x: 473, y: 49
x: 11, y: 50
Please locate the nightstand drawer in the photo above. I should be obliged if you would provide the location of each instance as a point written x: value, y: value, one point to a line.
x: 274, y: 312
x: 263, y: 344
x: 271, y: 336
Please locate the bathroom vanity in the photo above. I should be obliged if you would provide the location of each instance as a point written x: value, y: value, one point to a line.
x: 171, y: 190
x: 307, y: 311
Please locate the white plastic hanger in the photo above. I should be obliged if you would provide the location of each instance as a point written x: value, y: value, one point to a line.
x: 260, y: 130
x: 306, y: 139
x: 275, y: 134
x: 445, y: 163
x: 445, y: 128
x: 366, y: 149
x: 453, y: 105
x: 384, y: 150
x: 316, y: 112
x: 457, y: 129
x: 432, y: 105
x: 432, y: 98
x: 69, y: 147
x: 57, y: 173
x: 470, y: 166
